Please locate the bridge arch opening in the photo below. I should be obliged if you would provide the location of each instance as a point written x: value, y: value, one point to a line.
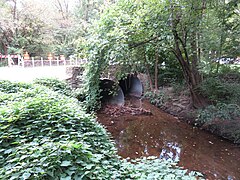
x: 132, y: 86
x: 111, y: 93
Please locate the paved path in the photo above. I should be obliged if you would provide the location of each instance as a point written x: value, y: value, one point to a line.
x: 28, y: 74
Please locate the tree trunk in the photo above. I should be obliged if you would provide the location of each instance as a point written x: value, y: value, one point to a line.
x: 156, y: 71
x: 188, y: 57
x: 148, y: 73
x: 190, y: 71
x: 5, y: 49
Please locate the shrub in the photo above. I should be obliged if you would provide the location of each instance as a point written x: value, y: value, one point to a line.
x: 179, y: 88
x: 155, y: 98
x: 56, y: 85
x: 8, y: 87
x: 46, y: 135
x: 218, y: 91
x: 220, y: 111
x: 154, y: 168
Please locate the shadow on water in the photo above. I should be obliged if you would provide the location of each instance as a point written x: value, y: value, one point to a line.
x: 163, y: 135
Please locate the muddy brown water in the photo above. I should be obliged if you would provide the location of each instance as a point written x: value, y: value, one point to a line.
x: 164, y: 136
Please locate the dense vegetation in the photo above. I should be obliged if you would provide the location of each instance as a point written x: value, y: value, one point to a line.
x: 47, y: 135
x: 172, y: 42
x: 167, y: 40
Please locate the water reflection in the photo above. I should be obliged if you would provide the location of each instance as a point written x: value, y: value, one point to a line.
x: 164, y: 136
x: 170, y: 150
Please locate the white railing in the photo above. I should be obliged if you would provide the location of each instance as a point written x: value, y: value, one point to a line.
x: 19, y: 61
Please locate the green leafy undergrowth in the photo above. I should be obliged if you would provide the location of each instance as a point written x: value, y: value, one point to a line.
x: 56, y: 85
x: 220, y: 91
x: 156, y: 98
x: 221, y: 119
x: 47, y: 135
x: 153, y: 168
x: 8, y: 87
x: 220, y: 111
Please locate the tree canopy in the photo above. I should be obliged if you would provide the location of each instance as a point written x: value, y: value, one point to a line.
x: 144, y: 34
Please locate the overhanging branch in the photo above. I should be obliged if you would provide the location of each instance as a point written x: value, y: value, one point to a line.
x: 134, y: 45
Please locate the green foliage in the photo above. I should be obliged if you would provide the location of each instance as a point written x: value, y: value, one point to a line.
x: 56, y: 85
x: 178, y: 87
x: 220, y: 111
x: 8, y: 87
x: 220, y: 29
x: 229, y: 69
x: 156, y: 98
x: 120, y: 27
x: 154, y: 168
x: 47, y: 135
x: 62, y: 87
x: 91, y: 86
x: 218, y: 90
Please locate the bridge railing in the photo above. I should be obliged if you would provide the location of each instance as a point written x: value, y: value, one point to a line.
x: 43, y: 63
x: 19, y: 61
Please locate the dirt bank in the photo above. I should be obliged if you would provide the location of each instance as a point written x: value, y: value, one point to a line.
x: 179, y: 105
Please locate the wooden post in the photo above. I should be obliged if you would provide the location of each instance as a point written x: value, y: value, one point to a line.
x: 18, y: 60
x: 42, y: 61
x: 9, y: 60
x: 50, y: 58
x: 23, y: 63
x: 33, y: 62
x: 57, y: 61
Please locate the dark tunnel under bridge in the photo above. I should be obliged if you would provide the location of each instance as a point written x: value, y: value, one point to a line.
x: 114, y: 93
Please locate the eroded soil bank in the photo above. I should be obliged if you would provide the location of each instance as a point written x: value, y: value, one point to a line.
x: 165, y: 136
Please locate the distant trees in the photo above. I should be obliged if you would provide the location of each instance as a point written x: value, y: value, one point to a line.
x: 39, y: 27
x: 23, y: 27
x: 6, y: 26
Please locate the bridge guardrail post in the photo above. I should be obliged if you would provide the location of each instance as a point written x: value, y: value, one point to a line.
x: 42, y: 61
x: 33, y: 65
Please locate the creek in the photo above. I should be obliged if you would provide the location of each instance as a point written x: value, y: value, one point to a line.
x: 165, y: 136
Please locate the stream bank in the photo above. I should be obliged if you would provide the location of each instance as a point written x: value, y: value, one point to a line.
x: 178, y: 103
x: 165, y: 136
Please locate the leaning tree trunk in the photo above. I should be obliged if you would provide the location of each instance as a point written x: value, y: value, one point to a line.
x: 186, y: 48
x: 190, y: 71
